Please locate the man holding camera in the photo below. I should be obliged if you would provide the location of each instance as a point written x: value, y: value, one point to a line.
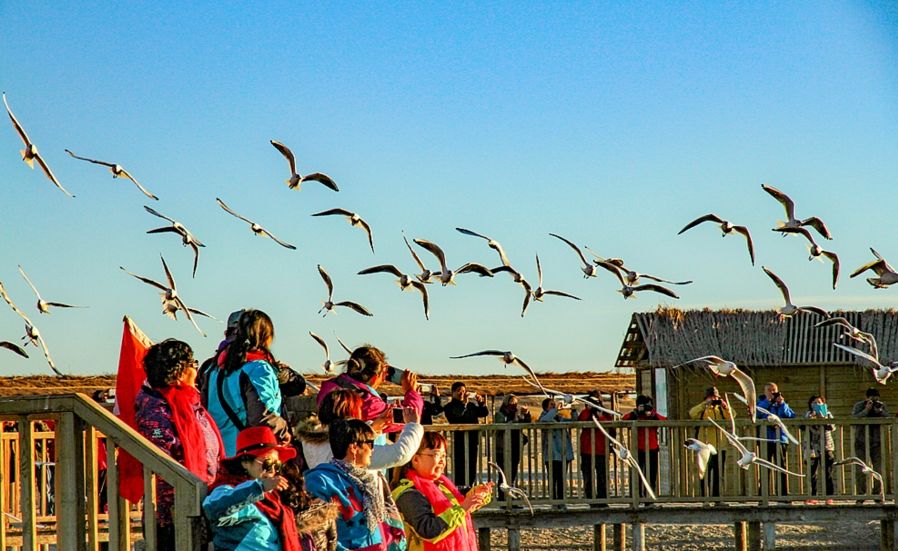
x: 646, y: 440
x: 867, y: 437
x: 712, y: 408
x: 461, y: 410
x: 774, y: 402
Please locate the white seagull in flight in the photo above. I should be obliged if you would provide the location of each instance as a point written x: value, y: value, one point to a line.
x: 30, y: 153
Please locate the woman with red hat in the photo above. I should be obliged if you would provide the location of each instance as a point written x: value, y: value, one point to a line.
x: 244, y: 505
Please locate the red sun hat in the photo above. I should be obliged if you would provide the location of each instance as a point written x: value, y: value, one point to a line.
x: 257, y: 441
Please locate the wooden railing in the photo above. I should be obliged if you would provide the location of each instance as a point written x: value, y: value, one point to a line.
x: 49, y: 480
x: 678, y: 478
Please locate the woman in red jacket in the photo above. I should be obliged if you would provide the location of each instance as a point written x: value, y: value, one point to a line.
x: 646, y: 440
x: 593, y: 446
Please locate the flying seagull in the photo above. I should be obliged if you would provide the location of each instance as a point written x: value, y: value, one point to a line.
x: 257, y: 229
x: 426, y: 275
x: 726, y: 227
x: 187, y: 238
x: 881, y: 371
x: 506, y: 357
x: 171, y: 300
x: 354, y: 220
x: 791, y: 221
x: 43, y: 306
x: 512, y: 491
x: 519, y: 279
x: 749, y: 458
x: 887, y: 274
x: 703, y: 453
x: 770, y: 417
x: 539, y: 292
x: 723, y: 368
x: 446, y: 275
x: 32, y: 335
x: 328, y: 365
x: 570, y: 398
x: 491, y: 243
x: 14, y: 347
x: 30, y: 153
x: 628, y: 290
x: 117, y: 172
x: 404, y: 282
x: 865, y: 469
x: 631, y: 276
x: 295, y: 180
x: 329, y: 304
x: 852, y: 332
x: 588, y: 269
x: 623, y: 453
x: 816, y: 252
x: 790, y: 309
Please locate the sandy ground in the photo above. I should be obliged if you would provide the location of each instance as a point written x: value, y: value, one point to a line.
x: 831, y: 536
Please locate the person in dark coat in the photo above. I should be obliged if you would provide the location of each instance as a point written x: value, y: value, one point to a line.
x: 511, y: 412
x: 465, y: 444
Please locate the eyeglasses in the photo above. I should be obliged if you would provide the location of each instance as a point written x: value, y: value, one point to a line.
x: 365, y: 442
x: 193, y: 364
x: 270, y: 464
x: 437, y: 456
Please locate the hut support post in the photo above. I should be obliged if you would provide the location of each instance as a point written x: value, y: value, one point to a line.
x: 741, y: 530
x: 514, y: 539
x: 483, y: 537
x: 887, y: 534
x: 638, y: 536
x: 769, y: 535
x: 598, y: 537
x: 754, y: 535
x: 620, y: 537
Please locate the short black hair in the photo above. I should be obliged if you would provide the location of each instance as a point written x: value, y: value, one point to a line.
x: 457, y: 385
x: 546, y: 402
x: 344, y: 432
x: 872, y: 391
x: 166, y: 361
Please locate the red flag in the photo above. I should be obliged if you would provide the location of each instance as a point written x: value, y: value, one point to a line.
x: 127, y: 384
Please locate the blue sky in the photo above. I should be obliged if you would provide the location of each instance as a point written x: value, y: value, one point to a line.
x: 613, y: 124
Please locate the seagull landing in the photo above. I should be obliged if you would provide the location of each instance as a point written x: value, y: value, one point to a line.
x: 354, y: 220
x: 726, y: 228
x: 790, y: 309
x: 887, y: 274
x: 723, y: 368
x: 881, y: 371
x: 512, y: 491
x: 491, y: 243
x: 32, y: 335
x: 171, y: 300
x: 446, y: 275
x: 791, y: 221
x: 257, y: 229
x: 295, y: 180
x: 187, y: 238
x: 117, y: 172
x: 703, y: 453
x: 42, y: 305
x: 404, y: 282
x: 865, y: 469
x: 588, y: 269
x: 329, y: 304
x: 30, y: 154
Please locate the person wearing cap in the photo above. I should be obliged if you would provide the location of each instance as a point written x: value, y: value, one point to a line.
x: 594, y: 449
x: 868, y: 438
x: 168, y: 412
x: 244, y: 506
x: 244, y: 390
x: 202, y: 376
x: 368, y: 517
x: 712, y: 407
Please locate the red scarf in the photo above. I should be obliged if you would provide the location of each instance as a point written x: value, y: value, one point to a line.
x: 462, y: 538
x: 251, y: 356
x: 271, y: 506
x: 184, y: 400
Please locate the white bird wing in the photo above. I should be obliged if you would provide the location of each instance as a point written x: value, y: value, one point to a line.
x: 327, y: 281
x: 731, y: 438
x: 436, y: 251
x: 608, y: 436
x: 319, y: 340
x: 285, y: 151
x: 278, y: 241
x: 187, y: 312
x: 701, y: 219
x: 424, y: 298
x: 852, y: 460
x: 784, y: 200
x: 158, y: 214
x: 576, y: 249
x: 635, y: 465
x: 142, y: 189
x: 483, y: 353
x: 501, y: 472
x: 414, y: 255
x: 539, y: 273
x: 475, y: 234
x: 50, y: 362
x: 346, y: 348
x: 383, y: 268
x: 779, y: 283
x: 13, y: 305
x: 613, y: 268
x: 94, y: 161
x: 355, y: 306
x: 747, y: 384
x: 146, y: 280
x: 28, y: 281
x: 751, y: 247
x: 769, y: 465
x: 15, y: 123
x: 228, y: 210
x: 49, y: 173
x: 171, y: 279
x: 867, y: 358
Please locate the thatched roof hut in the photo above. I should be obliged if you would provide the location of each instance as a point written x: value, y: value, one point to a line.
x: 799, y: 357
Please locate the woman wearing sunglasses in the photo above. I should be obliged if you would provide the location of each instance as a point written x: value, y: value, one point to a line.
x: 244, y: 505
x: 437, y: 516
x: 368, y: 517
x: 169, y: 414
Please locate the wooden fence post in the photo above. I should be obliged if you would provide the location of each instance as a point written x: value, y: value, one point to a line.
x: 483, y: 537
x: 598, y: 537
x: 754, y: 535
x: 620, y: 537
x: 638, y: 536
x: 741, y: 532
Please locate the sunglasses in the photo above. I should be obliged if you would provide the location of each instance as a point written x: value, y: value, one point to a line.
x: 365, y: 442
x: 270, y: 464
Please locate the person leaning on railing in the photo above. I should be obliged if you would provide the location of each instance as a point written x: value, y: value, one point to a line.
x: 712, y: 407
x: 646, y: 440
x: 778, y: 443
x: 557, y: 449
x: 869, y: 436
x: 819, y: 442
x: 169, y: 413
x: 511, y: 412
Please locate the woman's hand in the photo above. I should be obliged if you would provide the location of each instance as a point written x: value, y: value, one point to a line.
x: 411, y: 415
x: 409, y: 381
x: 276, y: 482
x: 384, y: 419
x: 477, y: 497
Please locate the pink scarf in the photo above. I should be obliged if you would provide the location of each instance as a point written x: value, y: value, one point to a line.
x: 184, y: 401
x: 462, y: 538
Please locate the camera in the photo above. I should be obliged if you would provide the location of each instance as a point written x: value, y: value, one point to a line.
x: 425, y: 388
x: 876, y: 405
x: 471, y: 395
x: 398, y: 415
x: 776, y: 395
x: 394, y: 375
x: 717, y: 402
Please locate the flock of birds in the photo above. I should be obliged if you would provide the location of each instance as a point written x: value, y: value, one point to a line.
x: 631, y: 282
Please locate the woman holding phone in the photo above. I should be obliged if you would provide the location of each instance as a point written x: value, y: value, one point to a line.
x: 366, y: 369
